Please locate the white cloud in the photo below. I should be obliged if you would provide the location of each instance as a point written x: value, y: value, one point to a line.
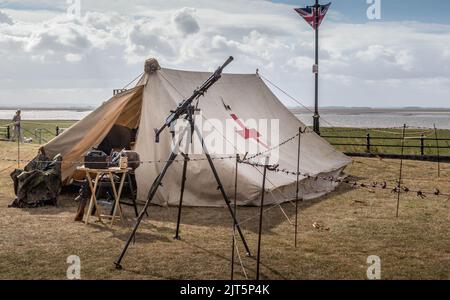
x: 72, y: 57
x: 185, y: 21
x: 360, y: 63
x: 386, y: 55
x: 5, y: 19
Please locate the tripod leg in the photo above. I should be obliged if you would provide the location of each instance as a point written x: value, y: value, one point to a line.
x: 151, y: 194
x: 133, y: 194
x: 222, y: 190
x: 183, y: 181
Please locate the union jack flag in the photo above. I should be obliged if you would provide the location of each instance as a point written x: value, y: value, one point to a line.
x: 309, y: 14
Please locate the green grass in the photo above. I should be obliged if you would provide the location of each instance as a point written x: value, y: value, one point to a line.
x: 32, y: 128
x: 353, y: 136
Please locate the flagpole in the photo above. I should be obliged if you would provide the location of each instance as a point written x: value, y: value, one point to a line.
x: 314, y: 15
x: 316, y: 117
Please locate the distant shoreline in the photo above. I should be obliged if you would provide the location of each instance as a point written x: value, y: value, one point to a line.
x: 369, y: 110
x: 295, y: 110
x: 81, y: 109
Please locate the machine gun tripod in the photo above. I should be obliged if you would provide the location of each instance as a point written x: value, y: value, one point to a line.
x: 185, y: 110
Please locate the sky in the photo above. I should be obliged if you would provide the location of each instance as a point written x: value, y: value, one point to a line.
x: 56, y: 55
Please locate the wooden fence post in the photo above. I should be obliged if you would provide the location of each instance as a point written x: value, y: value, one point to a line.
x: 57, y: 130
x: 422, y: 144
x: 437, y: 149
x: 8, y: 133
x: 368, y: 143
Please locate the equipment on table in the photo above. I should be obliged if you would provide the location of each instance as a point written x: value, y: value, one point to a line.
x: 96, y: 159
x: 125, y: 159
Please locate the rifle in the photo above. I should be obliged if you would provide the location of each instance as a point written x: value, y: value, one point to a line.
x: 185, y: 106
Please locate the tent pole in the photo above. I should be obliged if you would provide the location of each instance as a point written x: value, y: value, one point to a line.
x: 222, y: 190
x: 297, y: 188
x: 183, y: 182
x: 261, y: 210
x: 399, y: 186
x: 233, y: 247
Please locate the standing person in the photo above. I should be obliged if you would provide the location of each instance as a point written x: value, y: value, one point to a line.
x: 16, y: 126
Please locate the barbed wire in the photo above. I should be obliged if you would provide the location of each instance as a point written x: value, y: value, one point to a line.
x: 374, y: 184
x: 271, y: 168
x: 130, y: 161
x: 356, y: 184
x: 279, y: 145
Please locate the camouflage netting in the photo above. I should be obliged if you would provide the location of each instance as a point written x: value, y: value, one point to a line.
x: 38, y: 184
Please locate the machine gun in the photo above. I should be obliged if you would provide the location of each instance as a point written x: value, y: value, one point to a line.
x: 185, y: 107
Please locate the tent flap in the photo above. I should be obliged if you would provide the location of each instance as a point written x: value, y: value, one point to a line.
x: 73, y: 143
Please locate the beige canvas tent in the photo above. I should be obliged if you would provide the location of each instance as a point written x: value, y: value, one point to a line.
x: 146, y: 106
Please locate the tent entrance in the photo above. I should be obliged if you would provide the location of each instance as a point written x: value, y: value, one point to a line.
x: 122, y: 111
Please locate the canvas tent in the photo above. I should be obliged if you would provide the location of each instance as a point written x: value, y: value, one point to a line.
x: 159, y: 91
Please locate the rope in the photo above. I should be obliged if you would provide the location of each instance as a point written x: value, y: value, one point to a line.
x: 125, y: 87
x: 292, y: 98
x: 170, y: 83
x: 239, y: 255
x: 8, y: 124
x: 7, y: 168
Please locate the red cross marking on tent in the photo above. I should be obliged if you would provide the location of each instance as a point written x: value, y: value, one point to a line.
x: 247, y: 133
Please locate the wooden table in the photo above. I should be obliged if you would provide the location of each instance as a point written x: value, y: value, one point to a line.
x: 94, y: 186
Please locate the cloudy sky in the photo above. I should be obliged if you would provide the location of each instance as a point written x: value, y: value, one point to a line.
x: 52, y: 56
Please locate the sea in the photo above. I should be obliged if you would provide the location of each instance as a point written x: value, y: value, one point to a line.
x: 380, y: 118
x: 341, y: 117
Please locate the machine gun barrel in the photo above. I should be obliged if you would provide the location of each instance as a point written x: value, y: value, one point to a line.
x: 184, y: 105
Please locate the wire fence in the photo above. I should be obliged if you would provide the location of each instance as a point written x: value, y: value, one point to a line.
x: 370, y: 185
x: 419, y: 145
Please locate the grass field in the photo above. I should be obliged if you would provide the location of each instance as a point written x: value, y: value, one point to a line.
x: 353, y: 136
x: 32, y: 129
x: 35, y: 243
x: 358, y: 136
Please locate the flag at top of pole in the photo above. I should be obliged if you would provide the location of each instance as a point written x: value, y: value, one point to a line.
x: 314, y: 16
x: 309, y: 14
